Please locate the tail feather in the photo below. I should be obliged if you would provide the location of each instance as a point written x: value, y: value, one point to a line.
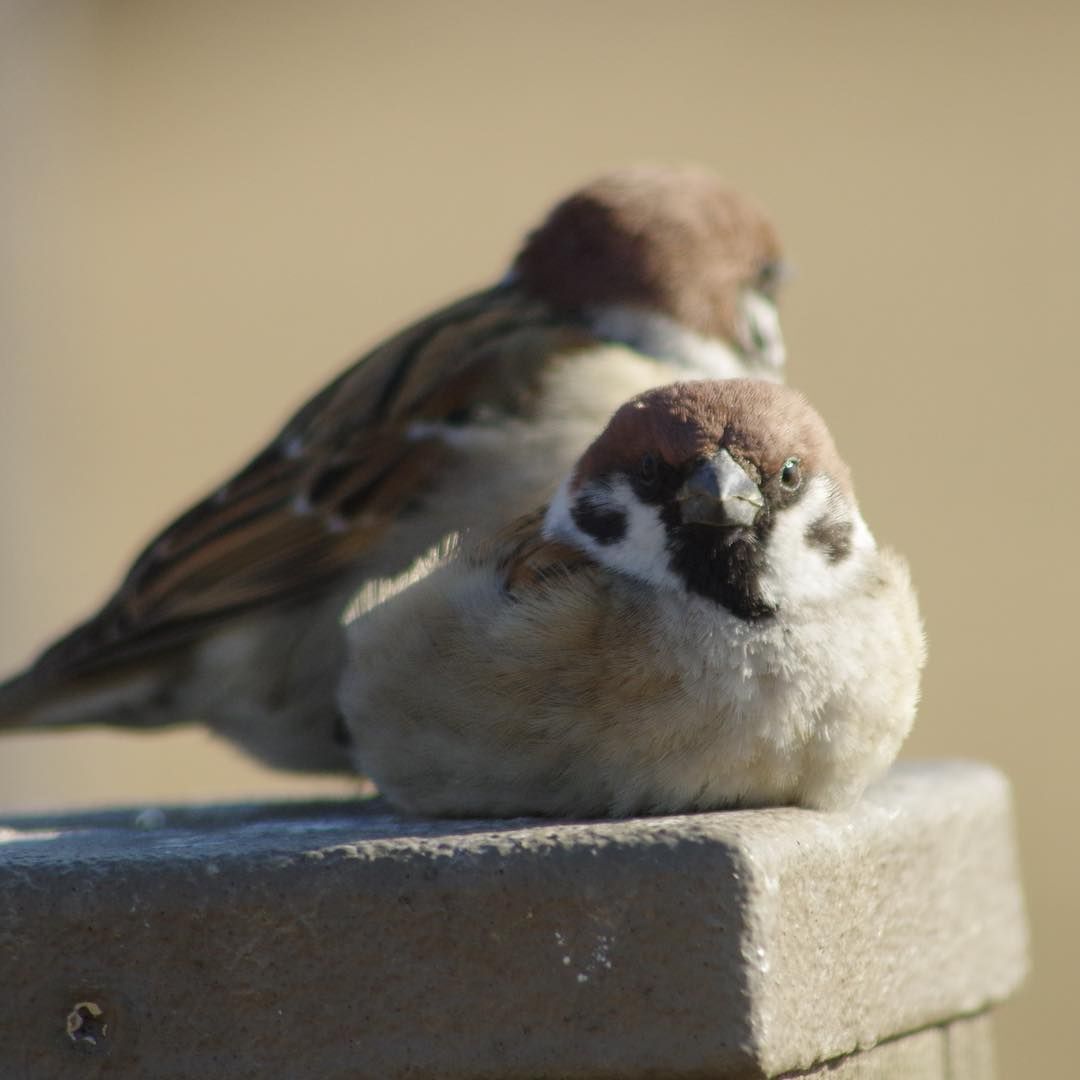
x: 18, y: 696
x: 37, y: 699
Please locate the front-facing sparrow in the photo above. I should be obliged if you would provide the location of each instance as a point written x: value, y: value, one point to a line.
x: 700, y: 618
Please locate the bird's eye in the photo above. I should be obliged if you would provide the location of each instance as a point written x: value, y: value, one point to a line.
x: 769, y: 278
x: 649, y: 469
x: 791, y: 474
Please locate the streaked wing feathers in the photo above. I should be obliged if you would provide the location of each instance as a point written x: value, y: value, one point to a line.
x: 323, y: 492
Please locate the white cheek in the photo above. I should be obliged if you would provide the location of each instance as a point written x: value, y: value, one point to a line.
x: 641, y: 553
x: 558, y: 521
x: 800, y: 572
x: 761, y: 314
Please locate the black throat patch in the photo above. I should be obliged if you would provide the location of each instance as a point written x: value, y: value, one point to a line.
x: 724, y: 565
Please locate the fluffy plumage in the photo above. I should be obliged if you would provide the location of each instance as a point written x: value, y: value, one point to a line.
x: 739, y: 641
x: 230, y: 615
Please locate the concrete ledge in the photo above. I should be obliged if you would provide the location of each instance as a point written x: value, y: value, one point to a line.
x: 337, y: 940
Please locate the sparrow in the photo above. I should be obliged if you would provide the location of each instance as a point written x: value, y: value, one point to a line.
x: 699, y: 619
x: 460, y: 421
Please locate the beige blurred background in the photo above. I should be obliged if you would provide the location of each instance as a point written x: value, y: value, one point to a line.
x: 206, y: 209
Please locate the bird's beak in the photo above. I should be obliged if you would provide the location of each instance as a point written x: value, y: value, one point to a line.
x: 720, y: 493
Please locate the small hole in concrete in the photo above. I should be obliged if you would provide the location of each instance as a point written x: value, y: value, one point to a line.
x: 86, y: 1024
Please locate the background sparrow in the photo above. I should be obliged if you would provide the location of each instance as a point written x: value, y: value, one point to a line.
x: 462, y: 420
x: 699, y: 619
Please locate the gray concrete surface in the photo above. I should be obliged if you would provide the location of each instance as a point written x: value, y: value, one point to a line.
x: 338, y: 940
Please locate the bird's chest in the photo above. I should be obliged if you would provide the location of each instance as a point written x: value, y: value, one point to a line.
x: 752, y: 706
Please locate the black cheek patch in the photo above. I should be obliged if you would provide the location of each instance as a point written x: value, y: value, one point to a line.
x: 832, y: 537
x: 606, y: 526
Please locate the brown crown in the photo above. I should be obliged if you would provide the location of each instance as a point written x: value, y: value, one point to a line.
x: 760, y: 422
x: 672, y: 239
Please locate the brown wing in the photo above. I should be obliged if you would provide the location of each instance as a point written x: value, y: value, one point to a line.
x: 324, y: 491
x: 526, y: 559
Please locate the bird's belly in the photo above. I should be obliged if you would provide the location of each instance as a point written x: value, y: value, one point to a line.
x: 750, y: 725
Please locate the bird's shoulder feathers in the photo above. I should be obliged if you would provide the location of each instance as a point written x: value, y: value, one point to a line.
x: 524, y: 558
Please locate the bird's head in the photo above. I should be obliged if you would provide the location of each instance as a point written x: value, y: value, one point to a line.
x: 730, y: 490
x: 668, y: 260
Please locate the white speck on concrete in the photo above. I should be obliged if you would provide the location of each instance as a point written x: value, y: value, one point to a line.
x: 153, y: 817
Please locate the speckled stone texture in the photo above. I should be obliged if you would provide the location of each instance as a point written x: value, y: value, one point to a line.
x: 338, y: 940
